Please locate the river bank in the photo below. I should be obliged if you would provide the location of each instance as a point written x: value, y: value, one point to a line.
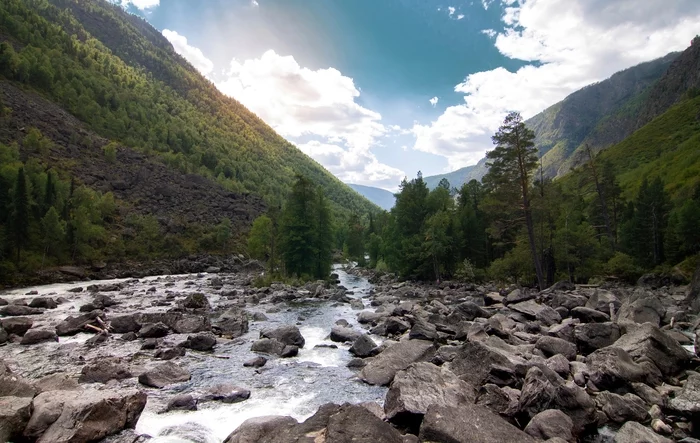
x: 221, y: 356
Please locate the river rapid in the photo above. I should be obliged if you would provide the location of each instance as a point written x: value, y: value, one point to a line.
x: 294, y: 386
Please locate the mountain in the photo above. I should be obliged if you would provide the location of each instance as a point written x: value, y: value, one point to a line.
x: 460, y: 176
x: 598, y: 115
x: 380, y: 197
x: 124, y: 81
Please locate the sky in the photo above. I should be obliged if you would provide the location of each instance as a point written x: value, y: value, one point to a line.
x: 377, y: 90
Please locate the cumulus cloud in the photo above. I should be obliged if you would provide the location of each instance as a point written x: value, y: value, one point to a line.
x: 254, y: 3
x: 434, y: 101
x: 451, y: 10
x: 570, y: 43
x: 191, y: 54
x: 460, y: 16
x: 490, y: 32
x: 141, y: 4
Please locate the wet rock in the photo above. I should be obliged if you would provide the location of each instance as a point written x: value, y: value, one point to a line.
x: 382, y: 368
x: 163, y: 375
x: 154, y: 330
x: 257, y: 429
x: 169, y: 353
x: 19, y: 310
x: 419, y: 386
x: 343, y: 334
x: 102, y: 301
x: 196, y: 301
x: 129, y: 336
x: 468, y: 423
x: 232, y: 323
x: 182, y: 402
x: 550, y: 423
x: 34, y: 336
x: 396, y: 326
x: 592, y: 336
x: 104, y: 370
x: 43, y: 302
x: 72, y: 325
x: 12, y: 385
x: 288, y: 335
x: 200, y: 342
x: 589, y: 315
x: 363, y: 346
x: 83, y: 416
x: 503, y: 401
x: 478, y: 363
x: 612, y: 368
x: 289, y: 351
x: 14, y: 415
x: 620, y: 409
x: 257, y: 362
x: 87, y: 307
x: 633, y: 432
x: 56, y: 382
x: 267, y: 346
x: 16, y: 325
x: 552, y: 345
x: 357, y: 363
x: 370, y: 317
x: 649, y: 342
x: 469, y: 311
x: 3, y: 335
x: 125, y: 323
x: 149, y: 344
x: 422, y: 330
x: 687, y: 402
x: 226, y: 393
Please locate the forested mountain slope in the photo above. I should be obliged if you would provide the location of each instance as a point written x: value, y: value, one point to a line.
x: 460, y: 176
x: 380, y: 197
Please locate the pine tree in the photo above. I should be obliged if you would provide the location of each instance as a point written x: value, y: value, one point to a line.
x: 355, y: 240
x: 19, y: 219
x: 324, y: 236
x: 53, y: 232
x: 649, y: 223
x: 260, y: 239
x: 297, y: 229
x: 510, y: 165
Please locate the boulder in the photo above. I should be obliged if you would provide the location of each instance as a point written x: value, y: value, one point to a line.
x: 34, y: 336
x: 163, y: 375
x: 559, y: 364
x: 257, y: 362
x: 601, y: 299
x: 289, y: 351
x: 154, y: 330
x: 288, y: 334
x: 687, y: 402
x: 3, y: 335
x: 622, y: 408
x: 232, y: 323
x: 642, y: 308
x: 72, y: 325
x: 104, y: 370
x: 519, y: 295
x: 267, y: 346
x: 647, y: 341
x: 43, y: 302
x: 191, y: 323
x: 633, y: 432
x: 169, y: 353
x: 470, y: 310
x: 83, y: 416
x: 423, y: 330
x: 612, y: 368
x: 503, y: 401
x: 382, y: 368
x: 226, y: 393
x: 396, y: 326
x: 363, y: 346
x: 16, y: 325
x: 589, y: 315
x: 125, y: 323
x: 549, y: 424
x: 196, y: 301
x: 256, y: 429
x: 19, y: 310
x: 419, y: 386
x: 343, y: 334
x: 56, y: 382
x: 181, y: 402
x: 552, y: 345
x: 478, y: 363
x: 200, y: 342
x: 12, y: 385
x: 529, y: 308
x: 468, y: 423
x: 14, y: 415
x: 592, y: 336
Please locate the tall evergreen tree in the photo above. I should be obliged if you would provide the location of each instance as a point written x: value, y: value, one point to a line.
x: 297, y: 230
x: 355, y: 240
x: 510, y: 165
x: 53, y: 232
x: 646, y: 236
x: 324, y: 236
x: 19, y: 219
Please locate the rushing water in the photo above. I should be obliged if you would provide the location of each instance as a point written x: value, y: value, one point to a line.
x: 295, y: 386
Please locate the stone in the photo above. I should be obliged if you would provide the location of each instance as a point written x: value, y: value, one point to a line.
x: 592, y: 336
x: 154, y: 330
x: 468, y: 423
x: 17, y: 325
x: 200, y: 342
x: 3, y: 335
x: 633, y: 432
x: 363, y: 346
x: 588, y: 315
x: 257, y: 362
x: 530, y: 308
x: 163, y: 375
x: 423, y: 330
x: 72, y: 325
x: 503, y: 401
x: 478, y: 364
x: 519, y: 295
x: 470, y: 310
x: 612, y: 368
x: 19, y: 310
x: 182, y: 402
x: 125, y: 323
x: 83, y: 416
x: 642, y: 308
x: 343, y: 334
x: 14, y: 415
x: 647, y: 341
x: 288, y: 335
x: 104, y: 370
x: 12, y: 385
x: 549, y: 424
x: 419, y: 386
x: 226, y: 393
x: 650, y: 395
x: 43, y: 302
x: 382, y: 368
x: 34, y: 336
x: 559, y: 364
x: 149, y: 344
x: 688, y: 400
x: 601, y: 299
x: 289, y: 351
x: 396, y: 326
x: 56, y: 382
x: 196, y: 301
x: 622, y: 408
x: 169, y: 353
x: 255, y: 429
x: 232, y: 323
x: 552, y: 345
x: 267, y: 346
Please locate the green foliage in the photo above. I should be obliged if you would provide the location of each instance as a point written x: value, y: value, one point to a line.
x: 354, y: 241
x: 110, y: 152
x: 35, y: 142
x: 261, y: 238
x: 622, y: 266
x: 466, y: 271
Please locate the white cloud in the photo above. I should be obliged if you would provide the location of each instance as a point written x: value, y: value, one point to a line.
x: 141, y: 4
x: 254, y: 3
x: 573, y: 43
x: 451, y: 10
x: 486, y: 3
x: 434, y: 101
x: 191, y: 54
x: 460, y: 16
x: 490, y: 32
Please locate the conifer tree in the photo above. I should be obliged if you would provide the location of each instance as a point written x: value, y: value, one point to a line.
x: 53, y: 232
x: 324, y: 236
x: 19, y: 219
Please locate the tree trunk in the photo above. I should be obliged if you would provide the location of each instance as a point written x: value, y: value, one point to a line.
x: 693, y: 298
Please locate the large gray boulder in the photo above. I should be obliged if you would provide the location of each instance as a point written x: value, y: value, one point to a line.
x: 232, y: 323
x: 648, y: 342
x: 268, y: 346
x: 72, y: 325
x: 125, y: 323
x: 468, y: 423
x: 688, y: 400
x: 288, y: 334
x: 504, y: 401
x: 343, y: 334
x: 226, y: 393
x: 550, y: 423
x: 35, y: 336
x: 19, y: 310
x: 612, y: 368
x: 83, y: 416
x: 163, y: 375
x: 104, y: 370
x: 622, y: 408
x: 14, y: 415
x: 601, y: 299
x: 478, y: 363
x: 420, y: 385
x: 641, y: 308
x: 12, y: 385
x: 17, y: 325
x: 363, y: 346
x: 633, y: 432
x: 382, y: 368
x: 552, y: 345
x: 200, y: 342
x: 592, y: 336
x: 256, y: 429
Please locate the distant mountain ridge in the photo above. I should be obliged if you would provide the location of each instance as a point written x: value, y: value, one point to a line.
x: 460, y: 176
x: 380, y: 197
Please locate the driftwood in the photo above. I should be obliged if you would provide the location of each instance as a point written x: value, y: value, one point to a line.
x: 98, y: 330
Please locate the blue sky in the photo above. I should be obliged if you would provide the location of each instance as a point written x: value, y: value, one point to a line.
x: 376, y: 90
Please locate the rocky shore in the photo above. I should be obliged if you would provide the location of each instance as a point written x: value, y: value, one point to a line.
x: 450, y: 363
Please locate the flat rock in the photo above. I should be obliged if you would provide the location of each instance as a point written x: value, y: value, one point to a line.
x: 688, y: 400
x: 649, y: 342
x: 343, y: 334
x: 19, y: 310
x: 154, y: 330
x: 382, y: 368
x: 268, y: 346
x: 12, y: 385
x: 163, y: 375
x: 612, y: 368
x: 633, y: 432
x: 592, y: 336
x: 17, y: 325
x: 549, y: 424
x: 104, y: 370
x: 72, y: 325
x: 182, y: 402
x: 226, y: 393
x: 622, y: 408
x: 256, y: 362
x: 43, y: 302
x: 35, y: 336
x: 288, y: 334
x: 14, y: 415
x: 552, y: 345
x: 200, y: 342
x: 589, y: 315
